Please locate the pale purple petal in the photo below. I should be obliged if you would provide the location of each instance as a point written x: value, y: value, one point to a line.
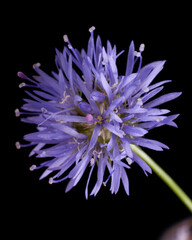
x: 163, y: 99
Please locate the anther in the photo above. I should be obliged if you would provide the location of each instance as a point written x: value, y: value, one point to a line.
x: 70, y: 46
x: 17, y: 112
x: 159, y: 119
x: 44, y: 110
x: 145, y: 89
x: 139, y: 101
x: 129, y: 160
x: 50, y: 180
x: 91, y: 29
x: 42, y: 154
x: 18, y: 145
x: 65, y: 38
x: 22, y: 85
x: 36, y: 65
x: 33, y: 167
x: 92, y: 161
x: 142, y: 47
x: 21, y: 75
x: 137, y: 54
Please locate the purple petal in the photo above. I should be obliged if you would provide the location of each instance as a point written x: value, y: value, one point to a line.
x: 115, y: 179
x: 148, y: 143
x: 127, y: 147
x: 113, y: 105
x: 87, y: 75
x: 106, y: 87
x: 85, y: 107
x: 130, y: 59
x: 100, y: 174
x: 135, y: 131
x: 94, y: 137
x: 142, y: 164
x: 153, y: 74
x: 151, y: 94
x: 125, y: 180
x: 87, y: 184
x: 68, y: 130
x: 114, y: 130
x: 70, y: 118
x: 163, y: 99
x: 111, y: 142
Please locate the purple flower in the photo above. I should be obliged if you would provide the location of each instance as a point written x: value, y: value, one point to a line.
x: 88, y: 115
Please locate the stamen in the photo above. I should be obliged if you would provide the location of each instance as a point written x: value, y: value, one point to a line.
x: 159, y: 119
x: 36, y: 65
x: 65, y: 38
x: 44, y: 110
x: 145, y: 89
x: 18, y: 145
x: 139, y: 102
x: 17, y: 112
x: 142, y: 47
x: 92, y: 161
x: 50, y: 180
x: 137, y: 54
x: 22, y: 75
x: 63, y: 100
x: 105, y: 183
x: 22, y: 85
x: 33, y: 167
x: 42, y: 154
x: 91, y: 29
x: 129, y: 161
x: 99, y: 120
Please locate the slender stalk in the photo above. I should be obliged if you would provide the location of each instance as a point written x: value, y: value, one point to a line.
x: 164, y: 176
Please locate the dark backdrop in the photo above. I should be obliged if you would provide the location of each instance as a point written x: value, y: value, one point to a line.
x: 31, y: 36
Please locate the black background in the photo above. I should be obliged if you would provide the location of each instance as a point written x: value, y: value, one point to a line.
x: 32, y: 32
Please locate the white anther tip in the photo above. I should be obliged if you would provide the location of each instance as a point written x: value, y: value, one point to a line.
x: 137, y: 54
x: 17, y: 145
x: 129, y: 160
x: 91, y: 29
x: 17, y: 112
x: 92, y: 161
x: 36, y: 65
x: 104, y: 184
x: 50, y: 180
x: 142, y: 47
x: 44, y: 110
x: 65, y: 38
x: 139, y: 101
x: 22, y: 85
x: 21, y: 75
x: 33, y: 167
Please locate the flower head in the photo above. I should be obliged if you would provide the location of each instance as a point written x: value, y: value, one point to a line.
x: 88, y: 115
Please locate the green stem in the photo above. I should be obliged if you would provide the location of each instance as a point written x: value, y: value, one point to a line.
x: 164, y: 176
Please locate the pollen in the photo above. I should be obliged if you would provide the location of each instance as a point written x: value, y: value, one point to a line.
x: 99, y: 120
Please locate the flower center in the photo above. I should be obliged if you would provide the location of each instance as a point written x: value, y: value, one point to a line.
x: 99, y: 120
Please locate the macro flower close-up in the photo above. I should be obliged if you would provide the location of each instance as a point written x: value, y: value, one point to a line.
x: 89, y: 116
